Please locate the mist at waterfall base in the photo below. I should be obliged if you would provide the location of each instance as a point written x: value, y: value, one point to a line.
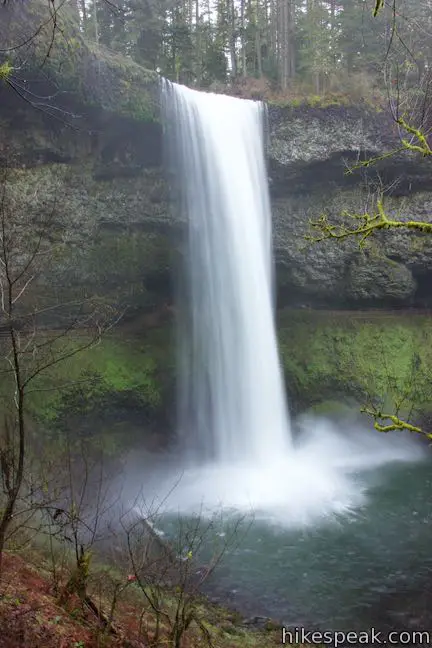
x: 237, y: 449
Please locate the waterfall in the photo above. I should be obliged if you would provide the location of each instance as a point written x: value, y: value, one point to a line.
x: 231, y: 394
x: 234, y: 427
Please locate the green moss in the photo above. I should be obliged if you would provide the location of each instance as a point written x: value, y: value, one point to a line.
x: 333, y: 357
x: 323, y: 101
x: 367, y: 357
x: 136, y: 370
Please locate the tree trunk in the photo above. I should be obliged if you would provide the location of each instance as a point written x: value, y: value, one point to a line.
x: 232, y: 37
x: 17, y: 473
x: 274, y: 31
x: 83, y: 12
x: 285, y: 43
x: 243, y: 38
x: 198, y: 44
x: 95, y: 22
x: 291, y: 40
x: 258, y: 49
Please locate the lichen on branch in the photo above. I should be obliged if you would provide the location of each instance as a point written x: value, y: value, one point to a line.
x: 422, y: 145
x: 391, y: 422
x: 5, y: 71
x: 364, y: 225
x: 418, y: 144
x: 379, y: 4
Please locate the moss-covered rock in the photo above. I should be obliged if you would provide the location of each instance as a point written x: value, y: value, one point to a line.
x: 122, y: 390
x: 119, y: 390
x: 359, y: 357
x: 333, y: 362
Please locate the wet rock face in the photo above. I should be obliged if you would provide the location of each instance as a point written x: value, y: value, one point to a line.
x: 311, y: 151
x: 394, y: 269
x: 309, y: 135
x: 109, y: 174
x: 314, y: 147
x: 101, y: 142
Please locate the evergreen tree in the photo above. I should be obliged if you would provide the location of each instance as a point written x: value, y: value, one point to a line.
x: 320, y: 45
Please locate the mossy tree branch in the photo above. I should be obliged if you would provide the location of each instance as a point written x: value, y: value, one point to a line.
x: 418, y: 144
x: 391, y: 422
x: 365, y: 225
x: 379, y: 4
x: 422, y: 145
x: 5, y: 71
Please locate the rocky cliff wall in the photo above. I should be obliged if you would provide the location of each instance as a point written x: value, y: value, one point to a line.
x: 111, y: 187
x: 97, y: 145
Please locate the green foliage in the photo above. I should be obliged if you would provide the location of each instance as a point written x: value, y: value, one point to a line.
x: 317, y: 51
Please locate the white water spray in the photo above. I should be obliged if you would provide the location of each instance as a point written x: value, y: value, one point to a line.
x: 232, y: 406
x: 232, y: 401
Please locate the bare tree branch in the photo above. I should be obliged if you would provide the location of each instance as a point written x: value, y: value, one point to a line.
x: 27, y: 234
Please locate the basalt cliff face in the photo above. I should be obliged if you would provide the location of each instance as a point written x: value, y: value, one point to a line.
x: 312, y: 154
x: 82, y: 124
x: 104, y: 170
